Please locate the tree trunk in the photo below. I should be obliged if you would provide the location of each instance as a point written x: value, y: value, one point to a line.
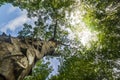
x: 17, y: 56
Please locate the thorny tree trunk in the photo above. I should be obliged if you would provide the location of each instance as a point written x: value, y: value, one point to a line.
x: 17, y: 56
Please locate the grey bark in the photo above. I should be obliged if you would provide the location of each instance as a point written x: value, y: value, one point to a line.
x: 18, y: 56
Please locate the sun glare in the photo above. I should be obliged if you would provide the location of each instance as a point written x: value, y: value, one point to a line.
x: 79, y: 30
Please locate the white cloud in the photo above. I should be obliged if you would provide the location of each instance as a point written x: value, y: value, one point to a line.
x: 11, y: 9
x: 17, y: 22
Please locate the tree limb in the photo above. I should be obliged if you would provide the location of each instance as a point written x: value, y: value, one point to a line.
x: 55, y: 29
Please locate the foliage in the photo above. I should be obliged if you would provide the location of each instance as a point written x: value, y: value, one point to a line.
x: 39, y: 72
x: 96, y: 63
x: 26, y: 31
x: 48, y: 12
x: 45, y: 10
x: 75, y: 68
x: 87, y: 65
x: 103, y: 16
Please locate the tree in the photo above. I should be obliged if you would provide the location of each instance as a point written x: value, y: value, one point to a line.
x: 21, y: 55
x: 78, y: 62
x: 17, y: 58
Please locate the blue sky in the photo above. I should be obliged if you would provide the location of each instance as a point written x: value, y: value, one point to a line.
x: 12, y: 19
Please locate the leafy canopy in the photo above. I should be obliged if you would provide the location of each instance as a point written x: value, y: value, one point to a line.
x: 96, y: 63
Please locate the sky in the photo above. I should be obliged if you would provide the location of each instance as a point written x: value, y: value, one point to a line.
x: 11, y: 22
x: 12, y: 18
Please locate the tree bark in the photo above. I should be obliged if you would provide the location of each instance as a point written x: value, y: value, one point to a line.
x: 18, y: 56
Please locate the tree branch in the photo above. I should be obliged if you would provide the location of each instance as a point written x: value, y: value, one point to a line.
x: 55, y: 30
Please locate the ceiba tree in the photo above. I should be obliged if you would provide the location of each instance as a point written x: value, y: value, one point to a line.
x: 19, y: 54
x: 17, y: 57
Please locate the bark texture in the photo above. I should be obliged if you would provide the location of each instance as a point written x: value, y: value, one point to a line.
x: 18, y: 56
